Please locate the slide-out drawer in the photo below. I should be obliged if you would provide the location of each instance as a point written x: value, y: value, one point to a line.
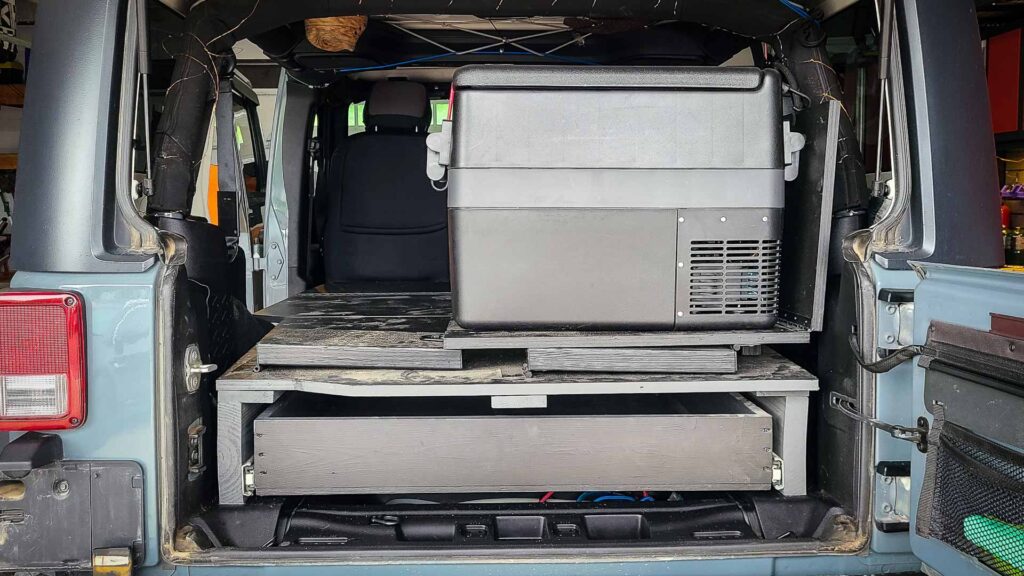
x: 310, y: 444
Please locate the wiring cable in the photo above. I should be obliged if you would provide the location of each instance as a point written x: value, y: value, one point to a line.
x: 798, y: 10
x: 450, y: 54
x: 614, y: 498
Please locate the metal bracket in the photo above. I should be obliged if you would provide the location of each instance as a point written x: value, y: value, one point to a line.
x: 918, y: 435
x: 778, y: 477
x: 248, y: 479
x: 112, y: 562
x: 895, y: 319
x: 194, y: 368
x: 196, y: 458
x: 892, y: 496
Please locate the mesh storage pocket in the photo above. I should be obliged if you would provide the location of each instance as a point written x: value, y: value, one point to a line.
x: 973, y: 498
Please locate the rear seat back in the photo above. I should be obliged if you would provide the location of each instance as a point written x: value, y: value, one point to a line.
x: 385, y: 221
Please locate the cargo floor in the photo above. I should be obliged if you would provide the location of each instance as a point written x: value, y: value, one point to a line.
x: 464, y: 521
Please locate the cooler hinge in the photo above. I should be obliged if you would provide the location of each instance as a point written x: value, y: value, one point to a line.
x: 918, y: 435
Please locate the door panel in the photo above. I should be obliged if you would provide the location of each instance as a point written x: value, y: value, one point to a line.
x: 968, y: 489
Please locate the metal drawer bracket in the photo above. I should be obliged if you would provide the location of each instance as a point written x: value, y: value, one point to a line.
x: 778, y: 478
x: 918, y: 435
x: 248, y: 479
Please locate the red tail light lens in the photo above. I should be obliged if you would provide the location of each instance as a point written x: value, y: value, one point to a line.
x: 42, y: 361
x: 451, y: 101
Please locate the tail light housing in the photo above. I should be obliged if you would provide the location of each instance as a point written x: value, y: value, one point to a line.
x: 42, y: 360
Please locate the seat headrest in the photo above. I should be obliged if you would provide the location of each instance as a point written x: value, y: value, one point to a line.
x: 397, y: 105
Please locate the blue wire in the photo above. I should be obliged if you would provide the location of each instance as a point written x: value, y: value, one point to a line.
x: 647, y: 499
x: 583, y: 497
x: 798, y: 10
x: 450, y: 54
x: 615, y: 497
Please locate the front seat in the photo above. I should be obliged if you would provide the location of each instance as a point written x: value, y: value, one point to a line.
x: 385, y: 221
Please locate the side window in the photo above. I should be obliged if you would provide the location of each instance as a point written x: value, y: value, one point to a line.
x: 355, y: 118
x: 438, y: 113
x: 250, y: 153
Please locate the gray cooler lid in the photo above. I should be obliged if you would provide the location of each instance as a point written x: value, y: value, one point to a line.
x: 684, y: 77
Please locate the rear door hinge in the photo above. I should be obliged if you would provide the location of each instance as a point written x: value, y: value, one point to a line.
x: 918, y: 435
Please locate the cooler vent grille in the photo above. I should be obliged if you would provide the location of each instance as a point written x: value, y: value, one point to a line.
x: 734, y: 277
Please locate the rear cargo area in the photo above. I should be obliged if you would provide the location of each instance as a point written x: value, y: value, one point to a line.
x: 530, y: 309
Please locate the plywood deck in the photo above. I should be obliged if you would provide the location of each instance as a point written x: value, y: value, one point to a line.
x: 506, y: 374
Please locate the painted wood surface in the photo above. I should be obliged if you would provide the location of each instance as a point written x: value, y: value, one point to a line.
x: 672, y: 447
x: 459, y: 338
x: 504, y: 374
x: 361, y: 331
x: 695, y: 360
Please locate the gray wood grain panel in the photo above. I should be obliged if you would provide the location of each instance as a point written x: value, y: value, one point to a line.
x: 459, y: 338
x: 673, y: 450
x: 368, y: 342
x: 492, y: 374
x: 234, y: 446
x: 789, y: 417
x: 658, y: 360
x: 356, y: 305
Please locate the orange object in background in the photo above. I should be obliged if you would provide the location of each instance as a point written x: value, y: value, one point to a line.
x: 211, y: 196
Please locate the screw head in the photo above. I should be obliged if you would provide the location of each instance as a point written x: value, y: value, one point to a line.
x: 887, y: 508
x: 723, y: 219
x: 681, y: 219
x: 891, y: 309
x: 890, y: 338
x: 680, y: 314
x: 681, y: 264
x: 61, y: 487
x: 75, y: 421
x: 764, y: 218
x: 70, y: 301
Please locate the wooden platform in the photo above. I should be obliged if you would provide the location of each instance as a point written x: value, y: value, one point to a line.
x: 695, y: 360
x: 459, y: 338
x: 505, y: 374
x: 413, y: 330
x: 364, y: 331
x: 360, y: 331
x: 357, y: 305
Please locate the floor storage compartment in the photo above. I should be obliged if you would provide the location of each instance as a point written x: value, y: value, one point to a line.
x: 318, y: 407
x: 316, y: 445
x: 332, y: 403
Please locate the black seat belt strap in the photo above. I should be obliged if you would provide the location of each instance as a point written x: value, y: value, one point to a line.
x: 229, y: 181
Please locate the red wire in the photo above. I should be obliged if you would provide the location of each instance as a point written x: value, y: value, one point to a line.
x: 645, y: 494
x: 545, y: 497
